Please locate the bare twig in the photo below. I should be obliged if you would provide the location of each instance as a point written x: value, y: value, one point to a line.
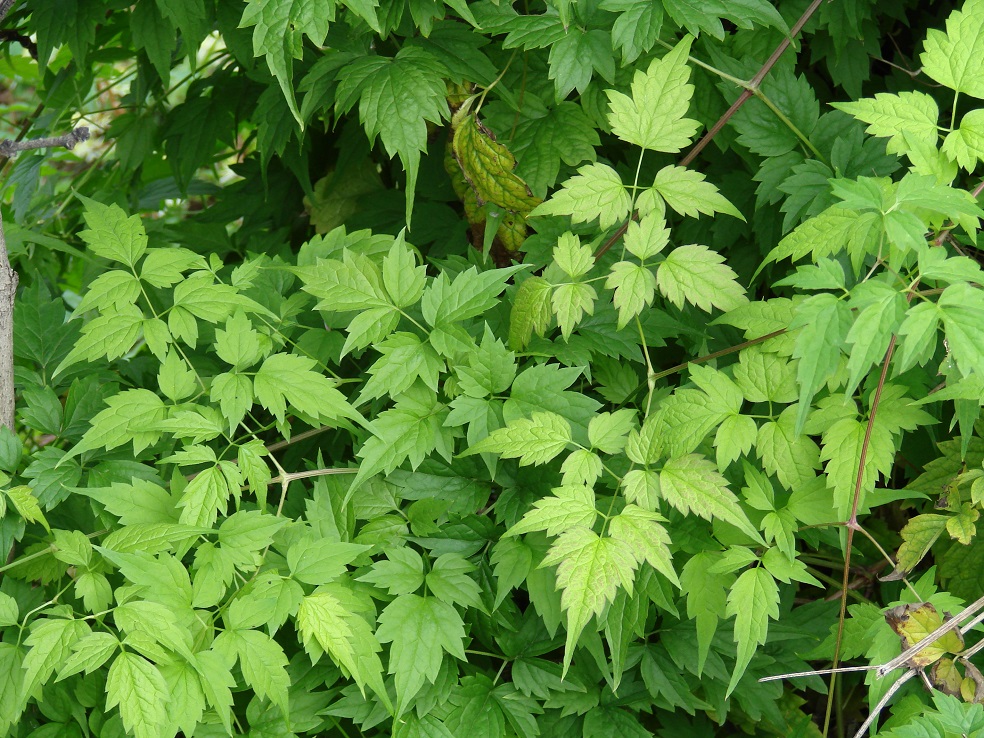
x: 10, y: 148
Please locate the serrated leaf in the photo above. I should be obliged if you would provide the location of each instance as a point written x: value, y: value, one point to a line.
x: 595, y: 192
x: 402, y: 572
x: 643, y: 532
x: 112, y: 234
x: 687, y: 192
x: 290, y: 378
x: 956, y: 58
x: 590, y: 569
x: 962, y: 310
x: 647, y: 236
x: 753, y: 600
x: 697, y: 275
x: 635, y: 288
x: 535, y: 440
x: 139, y: 689
x: 567, y: 507
x: 692, y: 483
x: 653, y: 116
x: 531, y: 311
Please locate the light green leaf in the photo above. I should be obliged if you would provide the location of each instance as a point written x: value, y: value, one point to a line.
x: 956, y: 58
x: 635, y: 288
x: 112, y: 234
x: 131, y: 416
x: 786, y: 452
x: 490, y: 370
x: 403, y: 279
x: 647, y: 236
x: 139, y: 689
x: 535, y: 440
x: 512, y: 559
x: 320, y: 561
x: 706, y: 599
x: 205, y: 497
x: 653, y: 116
x: 697, y: 275
x: 110, y: 336
x: 469, y: 295
x: 261, y: 660
x: 404, y: 360
x: 595, y: 192
x: 574, y: 258
x: 165, y: 267
x: 8, y: 610
x: 641, y: 487
x: 590, y: 569
x: 581, y: 467
x: 607, y: 432
x: 823, y: 322
x: 873, y: 329
x: 565, y: 508
x: 530, y: 312
x: 113, y: 289
x: 685, y: 191
x: 753, y: 599
x: 448, y: 580
x: 897, y: 117
x: 239, y: 345
x: 966, y: 143
x: 27, y: 505
x: 962, y: 309
x: 290, y: 378
x: 693, y: 483
x: 354, y: 283
x: 89, y: 653
x: 842, y: 445
x: 570, y: 302
x: 51, y: 642
x: 642, y: 531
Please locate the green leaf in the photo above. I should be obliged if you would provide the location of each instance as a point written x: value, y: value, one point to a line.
x: 653, y: 116
x: 635, y: 288
x: 90, y: 653
x: 576, y: 56
x: 955, y: 58
x: 918, y: 536
x: 402, y: 278
x: 321, y: 561
x: 595, y: 192
x: 8, y: 610
x: 642, y: 531
x: 530, y: 312
x: 278, y: 30
x: 26, y: 505
x: 824, y: 323
x: 607, y: 432
x: 396, y: 99
x: 113, y: 235
x: 687, y: 193
x: 647, y: 236
x: 962, y: 309
x: 139, y: 689
x: 907, y: 115
x: 876, y: 323
x: 692, y: 483
x: 512, y: 559
x: 707, y: 594
x: 402, y: 572
x: 405, y: 359
x: 590, y: 569
x: 205, y: 497
x: 567, y: 507
x: 111, y: 336
x: 448, y: 580
x: 562, y: 134
x: 354, y: 283
x: 471, y: 294
x: 51, y: 642
x: 637, y: 27
x: 261, y: 660
x: 842, y: 445
x: 697, y: 275
x: 288, y: 377
x: 753, y: 599
x: 420, y: 630
x: 786, y: 452
x: 574, y: 258
x: 112, y: 289
x: 131, y: 416
x: 966, y: 144
x: 536, y: 440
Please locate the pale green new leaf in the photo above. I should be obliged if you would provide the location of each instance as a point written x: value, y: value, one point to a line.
x: 687, y: 192
x: 590, y: 569
x: 692, y: 483
x: 753, y: 599
x: 918, y: 333
x: 913, y: 115
x: 89, y: 653
x: 574, y: 258
x: 570, y: 302
x: 138, y: 687
x: 595, y: 192
x: 646, y: 237
x: 530, y: 312
x: 533, y: 440
x: 111, y: 290
x: 420, y: 630
x: 697, y: 275
x: 966, y: 144
x: 51, y: 642
x: 131, y: 416
x: 354, y: 283
x: 842, y: 445
x: 401, y: 572
x: 635, y: 288
x: 165, y: 267
x: 653, y: 116
x: 956, y: 58
x: 643, y: 532
x: 469, y: 295
x: 26, y: 504
x: 403, y: 279
x: 8, y: 610
x: 404, y: 359
x: 205, y: 497
x: 567, y: 507
x: 869, y: 337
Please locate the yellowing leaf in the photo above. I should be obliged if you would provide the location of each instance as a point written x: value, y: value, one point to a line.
x: 913, y: 623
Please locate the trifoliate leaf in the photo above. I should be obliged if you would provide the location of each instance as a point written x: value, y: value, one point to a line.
x: 653, y: 116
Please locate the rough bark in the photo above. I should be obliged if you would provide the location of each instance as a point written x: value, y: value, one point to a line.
x: 8, y: 288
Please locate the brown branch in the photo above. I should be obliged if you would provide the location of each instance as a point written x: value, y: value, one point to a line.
x: 5, y: 6
x: 750, y: 89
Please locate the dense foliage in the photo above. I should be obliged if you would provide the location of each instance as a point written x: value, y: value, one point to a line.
x: 385, y: 368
